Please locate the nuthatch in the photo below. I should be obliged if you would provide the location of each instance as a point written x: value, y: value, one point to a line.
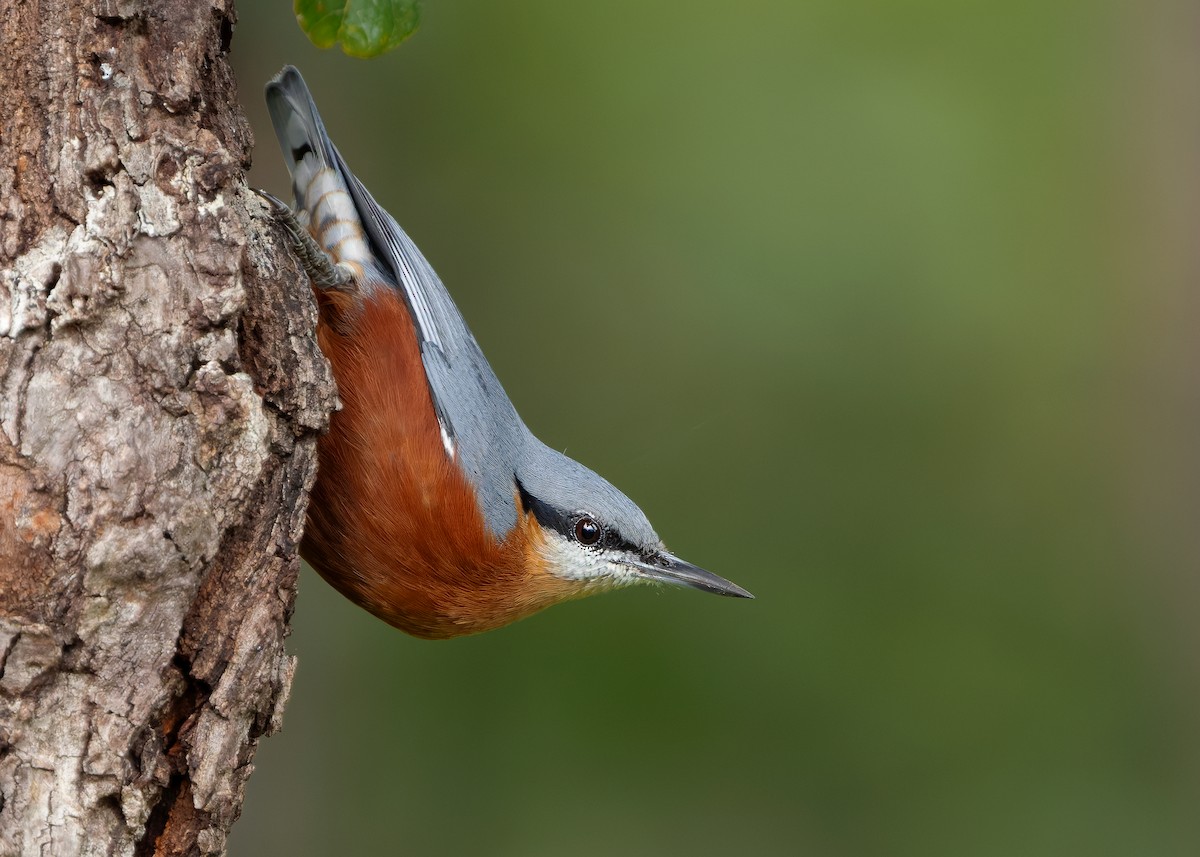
x: 435, y: 508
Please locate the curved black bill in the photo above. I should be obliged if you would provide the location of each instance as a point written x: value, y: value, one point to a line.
x: 668, y: 568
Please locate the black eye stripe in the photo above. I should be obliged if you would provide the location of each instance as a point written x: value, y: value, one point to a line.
x: 565, y: 523
x: 548, y: 516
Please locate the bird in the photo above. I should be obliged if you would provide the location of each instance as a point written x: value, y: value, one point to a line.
x: 434, y: 508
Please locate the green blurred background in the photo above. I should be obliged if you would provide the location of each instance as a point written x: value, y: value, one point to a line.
x: 888, y: 311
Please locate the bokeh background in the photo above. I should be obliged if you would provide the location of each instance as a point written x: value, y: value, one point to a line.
x: 890, y: 312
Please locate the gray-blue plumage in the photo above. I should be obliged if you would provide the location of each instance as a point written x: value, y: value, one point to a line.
x: 487, y: 438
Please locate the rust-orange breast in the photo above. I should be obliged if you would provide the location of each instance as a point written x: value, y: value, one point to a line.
x: 392, y: 522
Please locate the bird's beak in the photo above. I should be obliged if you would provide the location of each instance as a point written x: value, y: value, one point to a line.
x: 667, y: 568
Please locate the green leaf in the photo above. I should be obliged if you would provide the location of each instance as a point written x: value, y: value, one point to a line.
x: 366, y: 28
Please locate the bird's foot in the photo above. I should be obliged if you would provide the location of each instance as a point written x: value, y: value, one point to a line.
x: 323, y: 271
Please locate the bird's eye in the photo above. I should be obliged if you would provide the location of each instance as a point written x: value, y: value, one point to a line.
x: 587, y: 531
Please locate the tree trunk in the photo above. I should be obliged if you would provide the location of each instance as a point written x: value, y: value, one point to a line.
x: 160, y: 396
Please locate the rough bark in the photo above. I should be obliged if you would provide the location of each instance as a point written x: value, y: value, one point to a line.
x: 160, y: 394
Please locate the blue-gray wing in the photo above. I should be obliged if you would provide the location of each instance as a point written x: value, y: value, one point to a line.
x: 480, y: 427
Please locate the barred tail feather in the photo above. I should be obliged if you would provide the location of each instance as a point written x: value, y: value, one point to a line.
x: 323, y: 202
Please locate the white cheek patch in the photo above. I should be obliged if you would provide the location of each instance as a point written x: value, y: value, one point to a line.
x: 620, y: 574
x: 571, y: 561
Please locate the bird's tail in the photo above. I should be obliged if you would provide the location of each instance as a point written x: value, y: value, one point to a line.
x: 323, y: 202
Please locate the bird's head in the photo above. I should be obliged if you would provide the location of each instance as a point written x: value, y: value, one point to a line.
x: 594, y: 535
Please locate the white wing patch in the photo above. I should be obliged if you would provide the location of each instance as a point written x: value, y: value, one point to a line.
x: 447, y: 440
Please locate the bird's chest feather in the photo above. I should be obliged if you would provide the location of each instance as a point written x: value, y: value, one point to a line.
x: 392, y: 521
